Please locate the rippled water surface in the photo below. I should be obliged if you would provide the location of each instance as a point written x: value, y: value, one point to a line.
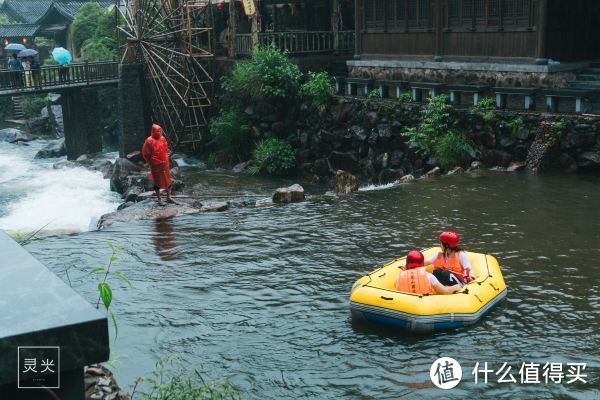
x: 259, y: 296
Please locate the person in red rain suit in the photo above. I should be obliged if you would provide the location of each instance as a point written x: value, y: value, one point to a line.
x: 156, y: 153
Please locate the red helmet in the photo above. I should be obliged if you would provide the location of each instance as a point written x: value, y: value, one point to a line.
x: 414, y: 259
x: 451, y: 239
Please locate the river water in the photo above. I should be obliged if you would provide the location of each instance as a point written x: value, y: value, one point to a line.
x: 259, y: 296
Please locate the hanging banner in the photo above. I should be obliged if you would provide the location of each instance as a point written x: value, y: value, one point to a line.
x: 249, y: 7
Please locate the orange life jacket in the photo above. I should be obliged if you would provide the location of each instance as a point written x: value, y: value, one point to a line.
x: 414, y: 281
x: 452, y: 264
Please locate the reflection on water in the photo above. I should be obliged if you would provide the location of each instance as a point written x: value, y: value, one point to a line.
x: 164, y: 239
x: 259, y: 296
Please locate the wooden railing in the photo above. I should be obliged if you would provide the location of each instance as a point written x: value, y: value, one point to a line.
x: 56, y: 76
x: 306, y: 42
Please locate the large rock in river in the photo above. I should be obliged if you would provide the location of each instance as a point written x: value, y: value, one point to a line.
x: 147, y: 209
x: 54, y: 149
x: 13, y: 135
x: 292, y: 194
x: 122, y: 171
x: 345, y: 182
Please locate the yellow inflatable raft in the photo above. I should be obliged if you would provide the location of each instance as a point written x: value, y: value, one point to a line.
x: 375, y: 298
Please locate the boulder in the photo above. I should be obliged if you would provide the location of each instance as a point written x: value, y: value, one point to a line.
x: 147, y: 209
x: 132, y: 194
x: 382, y: 161
x: 64, y: 164
x: 516, y: 166
x: 125, y: 205
x: 372, y: 118
x: 135, y: 156
x: 345, y: 182
x: 55, y: 119
x: 407, y: 179
x: 13, y: 135
x: 343, y: 160
x: 476, y: 166
x: 456, y: 171
x: 38, y: 126
x: 486, y: 138
x: 122, y: 173
x: 215, y: 207
x: 358, y: 133
x: 54, y: 149
x: 292, y: 194
x: 507, y: 141
x: 589, y: 160
x: 433, y: 173
x: 578, y: 139
x: 241, y: 167
x: 567, y: 162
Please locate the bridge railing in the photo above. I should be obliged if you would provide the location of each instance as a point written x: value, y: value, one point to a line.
x: 77, y: 74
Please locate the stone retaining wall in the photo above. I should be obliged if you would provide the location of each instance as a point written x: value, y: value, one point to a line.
x: 364, y: 137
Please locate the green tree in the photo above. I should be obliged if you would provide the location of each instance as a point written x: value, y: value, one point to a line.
x: 86, y: 23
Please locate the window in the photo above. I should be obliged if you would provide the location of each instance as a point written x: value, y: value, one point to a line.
x: 482, y: 14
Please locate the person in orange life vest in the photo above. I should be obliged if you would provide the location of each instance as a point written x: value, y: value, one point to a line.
x: 415, y: 279
x: 451, y: 265
x: 156, y: 153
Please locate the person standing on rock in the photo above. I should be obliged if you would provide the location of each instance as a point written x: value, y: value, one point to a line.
x: 156, y: 153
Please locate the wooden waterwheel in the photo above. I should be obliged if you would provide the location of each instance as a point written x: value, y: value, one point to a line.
x: 173, y: 39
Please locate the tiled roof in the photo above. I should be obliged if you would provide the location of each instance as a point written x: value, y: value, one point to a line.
x: 18, y: 30
x: 31, y: 11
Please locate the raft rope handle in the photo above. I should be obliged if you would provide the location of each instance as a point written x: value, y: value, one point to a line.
x: 387, y: 298
x: 481, y: 301
x: 495, y: 288
x: 382, y: 275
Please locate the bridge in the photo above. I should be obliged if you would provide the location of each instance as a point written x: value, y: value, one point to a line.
x: 77, y: 84
x: 55, y: 78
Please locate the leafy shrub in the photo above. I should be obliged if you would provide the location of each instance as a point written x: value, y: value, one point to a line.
x: 318, y: 89
x: 32, y: 105
x: 374, y: 94
x: 453, y: 149
x: 487, y: 105
x: 559, y: 128
x: 49, y: 61
x: 268, y: 74
x: 515, y: 126
x: 99, y: 49
x: 273, y: 156
x: 437, y: 135
x: 405, y: 97
x: 231, y: 135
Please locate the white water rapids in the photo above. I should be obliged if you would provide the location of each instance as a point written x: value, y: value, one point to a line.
x: 33, y: 194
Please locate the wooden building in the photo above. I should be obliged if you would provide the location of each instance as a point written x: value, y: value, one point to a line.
x: 478, y: 30
x: 302, y: 27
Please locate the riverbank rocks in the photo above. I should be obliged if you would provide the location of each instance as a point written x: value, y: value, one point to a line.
x: 54, y: 149
x: 100, y: 384
x: 433, y: 173
x: 456, y: 171
x: 516, y: 167
x: 122, y: 175
x: 292, y: 194
x: 13, y: 135
x: 476, y: 166
x: 407, y: 179
x: 345, y: 182
x: 241, y: 167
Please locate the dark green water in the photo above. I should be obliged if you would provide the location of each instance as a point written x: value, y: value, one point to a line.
x: 259, y: 296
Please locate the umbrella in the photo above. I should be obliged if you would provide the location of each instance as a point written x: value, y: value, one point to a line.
x: 15, y: 46
x: 27, y: 53
x: 61, y: 55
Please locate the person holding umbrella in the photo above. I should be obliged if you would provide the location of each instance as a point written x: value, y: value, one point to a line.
x: 63, y: 57
x: 26, y: 57
x: 17, y: 70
